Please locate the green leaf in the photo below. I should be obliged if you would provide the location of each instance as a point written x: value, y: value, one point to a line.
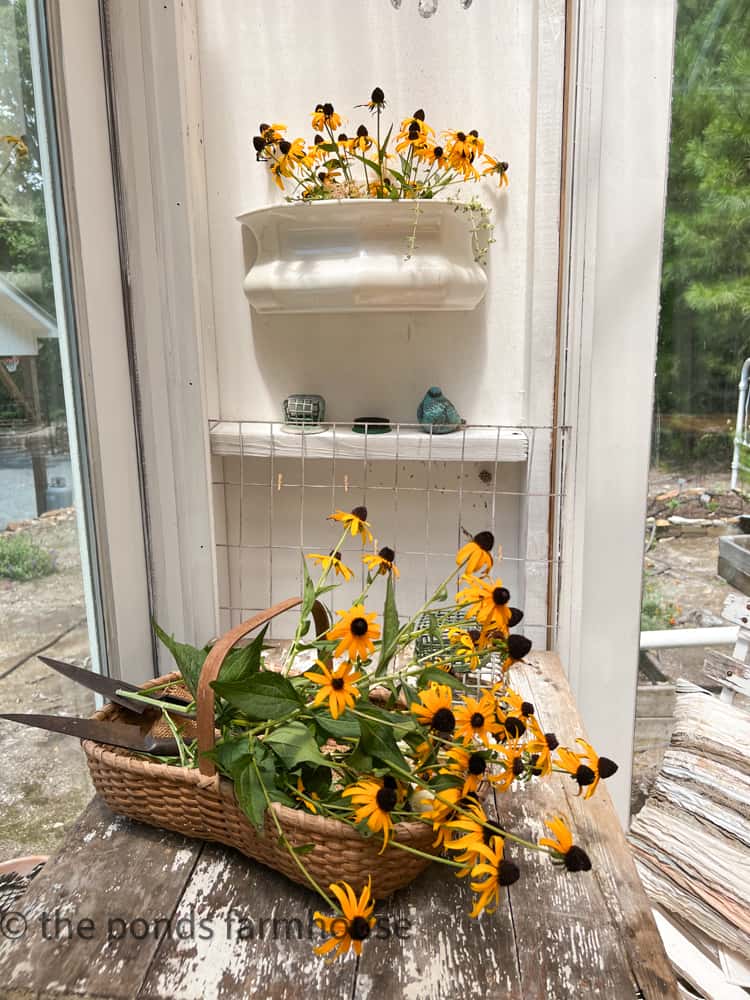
x: 360, y: 761
x: 266, y: 696
x: 295, y: 744
x: 430, y: 674
x: 241, y: 664
x: 346, y: 727
x: 308, y: 592
x: 380, y: 744
x: 188, y: 658
x: 231, y: 756
x: 250, y: 795
x: 390, y: 626
x: 403, y: 720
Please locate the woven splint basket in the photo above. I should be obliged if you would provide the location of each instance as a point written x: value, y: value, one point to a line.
x: 201, y: 803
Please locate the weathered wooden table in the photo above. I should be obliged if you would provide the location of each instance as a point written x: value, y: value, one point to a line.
x: 125, y: 911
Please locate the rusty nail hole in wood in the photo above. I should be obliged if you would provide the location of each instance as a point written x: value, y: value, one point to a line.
x: 729, y: 673
x: 744, y: 621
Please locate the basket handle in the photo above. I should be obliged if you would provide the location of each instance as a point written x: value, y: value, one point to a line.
x: 213, y: 664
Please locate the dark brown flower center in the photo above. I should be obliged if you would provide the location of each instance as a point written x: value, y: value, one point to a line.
x: 584, y: 776
x: 503, y: 166
x: 342, y: 137
x: 461, y: 136
x: 359, y: 929
x: 386, y: 799
x: 552, y: 741
x: 318, y: 140
x: 377, y: 96
x: 444, y: 721
x: 259, y: 143
x: 514, y: 727
x: 437, y: 152
x: 516, y: 616
x: 285, y: 146
x: 328, y: 109
x: 362, y: 130
x: 518, y: 646
x: 527, y: 709
x: 518, y: 767
x: 508, y: 872
x: 419, y: 115
x: 477, y: 764
x: 388, y: 554
x: 389, y: 781
x: 500, y: 596
x: 577, y: 860
x: 477, y: 720
x: 474, y: 634
x: 337, y: 683
x: 485, y: 540
x: 360, y: 512
x: 606, y: 767
x: 359, y: 626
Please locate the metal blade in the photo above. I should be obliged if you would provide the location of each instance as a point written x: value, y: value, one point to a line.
x: 108, y: 688
x: 117, y: 734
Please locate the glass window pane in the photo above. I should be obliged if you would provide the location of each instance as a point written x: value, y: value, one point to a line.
x: 690, y: 566
x: 42, y: 594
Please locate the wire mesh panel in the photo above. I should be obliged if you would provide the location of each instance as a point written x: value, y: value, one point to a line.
x: 425, y: 494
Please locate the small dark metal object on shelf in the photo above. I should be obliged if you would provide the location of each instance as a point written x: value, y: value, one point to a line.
x: 304, y: 411
x: 371, y: 425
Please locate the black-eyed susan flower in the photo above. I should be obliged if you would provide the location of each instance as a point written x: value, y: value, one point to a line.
x: 437, y: 156
x: 511, y: 767
x: 377, y: 100
x: 602, y: 767
x: 517, y: 647
x: 441, y: 809
x: 460, y: 152
x: 468, y: 830
x: 465, y: 643
x: 337, y: 686
x: 382, y: 563
x: 361, y: 142
x: 497, y: 167
x: 417, y: 120
x: 565, y: 851
x: 316, y: 152
x: 331, y: 561
x: 498, y: 873
x: 291, y: 155
x: 356, y: 521
x: 487, y: 601
x: 477, y: 719
x: 540, y: 748
x: 477, y: 554
x: 351, y: 929
x: 325, y: 117
x: 272, y: 134
x: 375, y: 800
x: 356, y: 631
x: 572, y: 763
x: 470, y: 765
x: 475, y: 142
x: 436, y: 708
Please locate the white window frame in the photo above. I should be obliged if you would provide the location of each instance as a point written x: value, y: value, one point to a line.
x: 619, y: 119
x: 96, y: 363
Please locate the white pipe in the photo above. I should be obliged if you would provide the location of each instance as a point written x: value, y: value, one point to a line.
x: 739, y: 429
x: 672, y: 638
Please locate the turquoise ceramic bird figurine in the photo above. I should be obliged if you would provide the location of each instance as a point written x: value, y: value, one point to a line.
x: 437, y: 414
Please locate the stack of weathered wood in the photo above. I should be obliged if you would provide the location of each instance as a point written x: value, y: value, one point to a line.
x: 692, y: 838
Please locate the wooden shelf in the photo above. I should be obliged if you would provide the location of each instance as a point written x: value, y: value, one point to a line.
x: 471, y: 444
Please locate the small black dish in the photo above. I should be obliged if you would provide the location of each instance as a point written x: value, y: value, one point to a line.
x: 371, y: 425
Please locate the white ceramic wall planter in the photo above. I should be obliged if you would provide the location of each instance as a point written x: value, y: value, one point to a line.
x: 349, y: 256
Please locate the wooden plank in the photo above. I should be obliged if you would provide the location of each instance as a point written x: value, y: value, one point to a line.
x: 652, y: 734
x: 598, y: 831
x: 655, y: 701
x: 445, y: 953
x: 81, y: 939
x: 252, y: 935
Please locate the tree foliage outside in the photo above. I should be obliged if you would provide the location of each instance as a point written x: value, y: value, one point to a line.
x: 704, y: 330
x: 24, y: 243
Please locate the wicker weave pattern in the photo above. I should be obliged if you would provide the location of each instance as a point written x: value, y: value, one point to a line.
x: 188, y: 802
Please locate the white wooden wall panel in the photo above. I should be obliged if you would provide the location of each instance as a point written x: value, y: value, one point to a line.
x: 497, y: 67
